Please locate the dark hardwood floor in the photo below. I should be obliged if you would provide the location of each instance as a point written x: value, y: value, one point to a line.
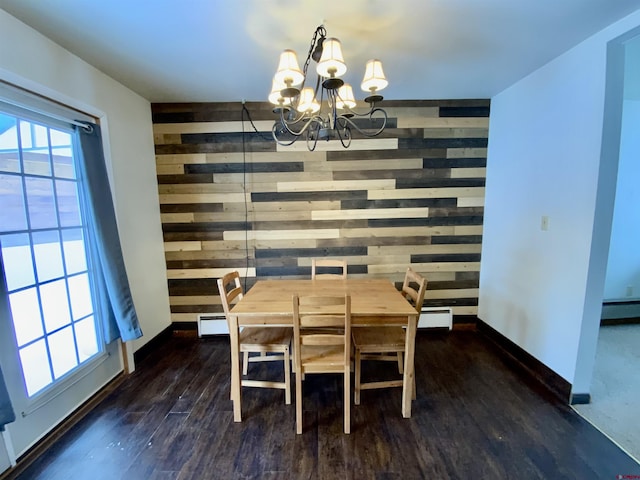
x: 474, y: 418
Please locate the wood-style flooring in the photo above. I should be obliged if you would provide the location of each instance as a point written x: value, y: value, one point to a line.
x: 475, y: 417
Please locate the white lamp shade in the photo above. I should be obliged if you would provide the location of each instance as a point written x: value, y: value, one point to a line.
x: 374, y: 79
x: 307, y: 102
x: 345, y: 97
x: 275, y: 96
x: 331, y: 62
x: 289, y: 72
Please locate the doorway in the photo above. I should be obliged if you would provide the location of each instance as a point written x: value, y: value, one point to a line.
x: 615, y: 385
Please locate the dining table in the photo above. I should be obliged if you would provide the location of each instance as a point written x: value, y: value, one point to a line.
x: 374, y: 302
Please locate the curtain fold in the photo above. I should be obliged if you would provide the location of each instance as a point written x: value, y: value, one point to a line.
x: 7, y: 414
x: 120, y: 319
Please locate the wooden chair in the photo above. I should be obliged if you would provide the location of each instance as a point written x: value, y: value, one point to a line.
x: 262, y: 340
x: 329, y: 265
x: 317, y: 351
x: 386, y: 343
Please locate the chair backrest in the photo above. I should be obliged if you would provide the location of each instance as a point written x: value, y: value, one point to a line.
x: 322, y: 321
x: 414, y: 288
x: 230, y: 290
x: 335, y: 268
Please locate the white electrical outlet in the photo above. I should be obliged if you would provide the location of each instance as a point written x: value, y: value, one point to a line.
x: 544, y: 223
x: 629, y: 290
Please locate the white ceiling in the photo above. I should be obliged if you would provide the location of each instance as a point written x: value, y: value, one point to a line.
x: 217, y: 50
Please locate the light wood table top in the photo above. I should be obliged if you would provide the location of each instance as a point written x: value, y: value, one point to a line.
x: 374, y: 302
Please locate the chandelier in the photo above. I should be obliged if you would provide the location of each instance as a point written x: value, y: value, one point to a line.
x: 300, y: 107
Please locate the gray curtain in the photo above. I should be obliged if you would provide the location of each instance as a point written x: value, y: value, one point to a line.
x: 6, y: 410
x: 120, y: 319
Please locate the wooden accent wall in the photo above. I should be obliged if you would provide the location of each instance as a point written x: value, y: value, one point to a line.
x: 231, y: 198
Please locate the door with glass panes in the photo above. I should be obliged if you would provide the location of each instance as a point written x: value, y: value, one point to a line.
x: 51, y: 348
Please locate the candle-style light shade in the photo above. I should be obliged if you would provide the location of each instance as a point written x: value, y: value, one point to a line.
x: 374, y: 79
x: 275, y: 96
x: 345, y: 97
x: 307, y: 102
x: 331, y: 62
x: 289, y: 72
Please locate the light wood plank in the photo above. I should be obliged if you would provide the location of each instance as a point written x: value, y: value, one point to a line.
x: 271, y: 177
x: 184, y: 317
x: 181, y: 159
x: 446, y: 267
x: 177, y: 217
x: 202, y: 198
x: 479, y: 172
x: 336, y: 185
x: 395, y: 232
x: 286, y: 243
x: 198, y: 188
x: 453, y: 293
x: 367, y: 213
x: 170, y: 169
x: 465, y: 310
x: 445, y: 192
x: 470, y: 202
x: 443, y: 122
x: 384, y: 250
x: 283, y: 234
x: 208, y: 272
x: 336, y: 146
x: 266, y: 157
x: 294, y: 206
x: 212, y: 127
x: 386, y: 164
x: 178, y: 246
x: 194, y: 300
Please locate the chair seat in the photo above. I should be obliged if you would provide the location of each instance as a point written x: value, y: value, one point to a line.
x: 379, y: 339
x: 253, y: 337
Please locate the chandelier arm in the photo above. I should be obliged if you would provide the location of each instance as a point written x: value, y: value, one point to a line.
x: 282, y: 126
x: 274, y: 133
x: 347, y: 131
x: 313, y: 138
x: 296, y: 119
x: 370, y: 114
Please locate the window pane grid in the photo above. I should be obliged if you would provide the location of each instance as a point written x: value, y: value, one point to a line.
x: 47, y: 230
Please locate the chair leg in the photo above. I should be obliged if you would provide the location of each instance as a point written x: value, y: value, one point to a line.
x: 245, y: 363
x: 287, y: 378
x: 347, y: 400
x: 356, y: 390
x: 298, y: 403
x: 400, y: 364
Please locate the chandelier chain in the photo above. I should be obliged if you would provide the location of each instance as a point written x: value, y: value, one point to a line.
x: 323, y: 32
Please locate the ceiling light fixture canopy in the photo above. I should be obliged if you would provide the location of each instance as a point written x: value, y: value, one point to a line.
x: 300, y: 107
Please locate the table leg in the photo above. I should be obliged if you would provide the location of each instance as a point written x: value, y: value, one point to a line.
x: 236, y: 391
x: 407, y: 378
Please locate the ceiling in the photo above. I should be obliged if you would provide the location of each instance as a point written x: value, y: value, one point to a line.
x: 216, y: 51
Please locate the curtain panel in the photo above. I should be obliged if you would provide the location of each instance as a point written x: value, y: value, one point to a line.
x: 7, y: 414
x: 114, y: 295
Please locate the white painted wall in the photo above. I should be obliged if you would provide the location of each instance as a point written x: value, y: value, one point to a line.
x: 544, y: 160
x: 32, y: 61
